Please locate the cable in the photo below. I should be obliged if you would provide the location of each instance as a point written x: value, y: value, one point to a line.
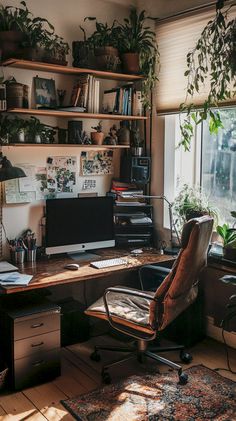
x: 224, y: 321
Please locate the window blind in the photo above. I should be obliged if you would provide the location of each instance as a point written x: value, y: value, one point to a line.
x: 175, y: 39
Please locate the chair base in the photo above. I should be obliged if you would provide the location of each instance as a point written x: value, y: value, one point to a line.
x: 140, y: 351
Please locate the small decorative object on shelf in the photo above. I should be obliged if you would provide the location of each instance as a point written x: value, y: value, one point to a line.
x: 97, y: 137
x: 136, y: 141
x: 45, y: 93
x: 17, y: 94
x: 112, y: 138
x: 75, y: 129
x: 123, y: 133
x: 61, y: 95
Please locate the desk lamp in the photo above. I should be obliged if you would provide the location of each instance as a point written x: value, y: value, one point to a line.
x: 7, y: 172
x: 168, y: 250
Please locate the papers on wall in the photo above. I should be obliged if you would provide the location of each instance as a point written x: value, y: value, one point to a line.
x: 61, y: 174
x: 96, y: 162
x: 15, y: 278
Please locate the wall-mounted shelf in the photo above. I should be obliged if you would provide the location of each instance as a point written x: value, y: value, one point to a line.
x: 71, y: 114
x: 66, y: 70
x: 66, y: 145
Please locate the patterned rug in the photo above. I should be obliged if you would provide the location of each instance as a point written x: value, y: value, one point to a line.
x: 155, y: 397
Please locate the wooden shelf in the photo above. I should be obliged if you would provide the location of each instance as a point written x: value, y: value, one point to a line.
x: 66, y: 145
x: 70, y: 114
x: 66, y: 70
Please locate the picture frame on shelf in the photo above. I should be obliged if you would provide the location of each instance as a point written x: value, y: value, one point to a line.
x: 45, y: 93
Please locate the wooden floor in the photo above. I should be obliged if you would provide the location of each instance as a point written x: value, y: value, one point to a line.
x: 81, y: 375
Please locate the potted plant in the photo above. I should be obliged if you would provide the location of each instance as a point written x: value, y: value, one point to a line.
x: 97, y: 137
x: 4, y: 129
x: 36, y: 30
x: 104, y: 44
x: 83, y: 55
x: 17, y: 130
x: 11, y: 23
x: 34, y: 130
x: 136, y: 141
x: 228, y: 236
x: 212, y: 60
x: 191, y: 202
x: 139, y: 52
x: 56, y: 50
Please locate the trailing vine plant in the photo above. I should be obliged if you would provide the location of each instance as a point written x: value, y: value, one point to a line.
x: 213, y: 59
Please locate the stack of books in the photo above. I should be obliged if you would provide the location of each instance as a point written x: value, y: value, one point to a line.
x: 124, y: 100
x: 127, y: 194
x: 85, y: 94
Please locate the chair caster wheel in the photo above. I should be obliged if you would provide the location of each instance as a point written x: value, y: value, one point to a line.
x: 95, y: 356
x: 106, y: 378
x: 183, y: 378
x: 185, y: 357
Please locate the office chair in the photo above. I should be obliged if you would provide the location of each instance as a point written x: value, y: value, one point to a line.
x: 142, y: 315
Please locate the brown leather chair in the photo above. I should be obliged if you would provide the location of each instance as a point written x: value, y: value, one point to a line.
x: 142, y: 315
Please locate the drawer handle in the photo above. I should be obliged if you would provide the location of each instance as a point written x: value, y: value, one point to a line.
x: 37, y: 325
x: 37, y: 363
x: 39, y: 344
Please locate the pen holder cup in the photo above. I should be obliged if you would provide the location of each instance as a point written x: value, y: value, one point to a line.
x: 31, y: 255
x: 18, y: 256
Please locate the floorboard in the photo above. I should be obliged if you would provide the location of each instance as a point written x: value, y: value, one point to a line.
x: 80, y: 375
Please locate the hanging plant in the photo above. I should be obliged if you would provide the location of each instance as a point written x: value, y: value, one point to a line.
x: 213, y: 59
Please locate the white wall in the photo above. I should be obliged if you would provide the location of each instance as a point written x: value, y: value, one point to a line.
x: 66, y: 16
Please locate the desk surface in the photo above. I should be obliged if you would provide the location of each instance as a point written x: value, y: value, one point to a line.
x: 48, y: 273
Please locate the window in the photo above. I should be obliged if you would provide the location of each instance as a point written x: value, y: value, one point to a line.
x: 211, y: 163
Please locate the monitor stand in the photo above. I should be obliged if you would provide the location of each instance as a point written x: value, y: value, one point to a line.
x: 83, y: 256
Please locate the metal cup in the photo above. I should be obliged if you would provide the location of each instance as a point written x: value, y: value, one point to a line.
x: 18, y: 256
x: 31, y: 255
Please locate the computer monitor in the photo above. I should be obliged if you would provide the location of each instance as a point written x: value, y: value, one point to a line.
x: 78, y: 224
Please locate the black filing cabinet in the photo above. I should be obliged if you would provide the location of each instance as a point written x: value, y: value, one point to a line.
x: 31, y: 343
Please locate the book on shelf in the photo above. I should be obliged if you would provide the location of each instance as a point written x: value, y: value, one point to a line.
x: 123, y: 100
x: 85, y: 93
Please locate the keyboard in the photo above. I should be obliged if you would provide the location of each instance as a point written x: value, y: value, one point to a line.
x: 108, y: 263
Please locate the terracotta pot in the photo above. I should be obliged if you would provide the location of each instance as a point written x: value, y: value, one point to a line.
x: 97, y: 138
x: 130, y: 62
x: 102, y: 61
x: 9, y: 43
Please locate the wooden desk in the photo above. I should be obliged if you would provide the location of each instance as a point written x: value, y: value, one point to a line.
x: 48, y: 273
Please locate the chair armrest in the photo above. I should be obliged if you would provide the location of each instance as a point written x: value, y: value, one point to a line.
x: 128, y: 291
x: 152, y: 269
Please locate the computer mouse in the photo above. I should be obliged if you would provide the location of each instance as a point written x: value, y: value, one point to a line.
x: 72, y: 266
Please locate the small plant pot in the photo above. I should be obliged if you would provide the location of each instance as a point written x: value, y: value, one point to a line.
x: 130, y: 63
x: 229, y: 253
x: 82, y: 55
x: 97, y: 138
x: 137, y: 150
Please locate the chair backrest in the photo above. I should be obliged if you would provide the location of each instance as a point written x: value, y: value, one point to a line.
x: 179, y: 289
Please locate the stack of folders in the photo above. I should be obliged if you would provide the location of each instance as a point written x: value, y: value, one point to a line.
x: 9, y: 276
x: 127, y: 194
x: 14, y: 279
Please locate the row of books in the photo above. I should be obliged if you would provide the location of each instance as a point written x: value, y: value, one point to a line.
x: 124, y: 100
x: 85, y: 93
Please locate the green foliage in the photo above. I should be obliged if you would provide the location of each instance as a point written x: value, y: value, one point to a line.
x: 12, y: 18
x: 104, y: 35
x: 98, y: 128
x: 212, y: 60
x: 192, y: 201
x: 227, y: 234
x: 55, y: 46
x: 135, y: 37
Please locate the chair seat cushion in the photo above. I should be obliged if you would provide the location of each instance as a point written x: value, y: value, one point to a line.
x: 124, y: 309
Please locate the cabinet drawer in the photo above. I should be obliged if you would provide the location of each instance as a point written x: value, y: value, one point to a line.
x: 36, y: 344
x: 36, y: 326
x: 36, y: 369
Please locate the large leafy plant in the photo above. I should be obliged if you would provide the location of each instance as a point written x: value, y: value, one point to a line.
x: 212, y: 60
x: 136, y: 37
x: 227, y: 234
x: 104, y: 35
x: 12, y: 18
